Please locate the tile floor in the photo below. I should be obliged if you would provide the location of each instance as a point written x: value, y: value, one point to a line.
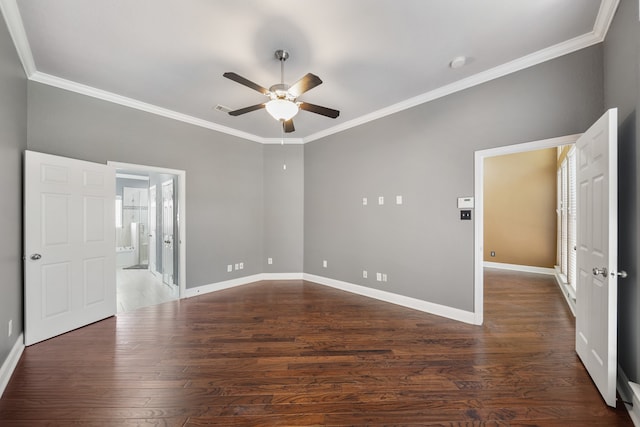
x: 140, y: 288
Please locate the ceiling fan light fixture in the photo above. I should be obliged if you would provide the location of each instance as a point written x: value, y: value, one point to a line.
x: 282, y: 109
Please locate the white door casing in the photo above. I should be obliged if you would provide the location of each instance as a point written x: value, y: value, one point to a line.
x: 69, y: 243
x: 167, y: 232
x: 152, y: 229
x: 597, y: 243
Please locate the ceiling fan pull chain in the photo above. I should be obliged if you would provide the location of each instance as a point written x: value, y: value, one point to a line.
x: 284, y: 153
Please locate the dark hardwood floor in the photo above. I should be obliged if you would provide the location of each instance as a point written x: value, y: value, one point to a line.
x: 297, y: 353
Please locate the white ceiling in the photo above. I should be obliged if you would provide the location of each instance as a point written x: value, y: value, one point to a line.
x: 375, y: 57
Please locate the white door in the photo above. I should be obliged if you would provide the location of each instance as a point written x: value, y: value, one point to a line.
x: 597, y: 257
x: 69, y: 242
x: 152, y: 229
x: 167, y: 232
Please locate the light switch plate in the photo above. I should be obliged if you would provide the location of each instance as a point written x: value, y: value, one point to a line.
x: 465, y: 202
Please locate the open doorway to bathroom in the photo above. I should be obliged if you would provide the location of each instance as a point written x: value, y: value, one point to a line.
x: 148, y: 236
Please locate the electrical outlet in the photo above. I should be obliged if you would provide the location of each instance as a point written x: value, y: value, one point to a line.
x: 10, y: 331
x: 398, y: 200
x: 269, y: 261
x: 229, y: 268
x: 364, y: 201
x: 237, y: 266
x: 241, y: 265
x: 324, y: 263
x: 384, y: 277
x: 379, y: 277
x: 381, y: 200
x: 364, y: 274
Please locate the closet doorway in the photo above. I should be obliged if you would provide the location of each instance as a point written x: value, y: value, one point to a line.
x: 479, y: 251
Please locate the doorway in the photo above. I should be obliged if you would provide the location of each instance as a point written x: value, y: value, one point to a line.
x: 480, y: 157
x: 156, y: 275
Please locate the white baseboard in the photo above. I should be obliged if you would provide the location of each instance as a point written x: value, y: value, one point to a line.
x: 416, y: 304
x: 629, y: 392
x: 517, y: 267
x: 205, y: 289
x: 634, y: 410
x: 282, y: 276
x: 10, y: 363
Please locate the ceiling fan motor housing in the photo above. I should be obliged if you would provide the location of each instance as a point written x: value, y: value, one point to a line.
x: 280, y: 91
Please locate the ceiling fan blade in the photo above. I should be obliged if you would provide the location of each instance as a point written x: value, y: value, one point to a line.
x: 246, y: 110
x: 288, y: 126
x: 248, y: 83
x: 306, y: 83
x: 329, y: 112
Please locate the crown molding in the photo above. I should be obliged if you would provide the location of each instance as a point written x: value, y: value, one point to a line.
x: 11, y: 13
x: 138, y: 105
x: 597, y: 35
x: 519, y: 64
x: 605, y: 16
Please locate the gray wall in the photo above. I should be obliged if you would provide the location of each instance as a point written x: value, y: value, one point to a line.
x: 224, y: 174
x: 13, y: 140
x: 426, y: 154
x: 621, y: 85
x: 283, y: 208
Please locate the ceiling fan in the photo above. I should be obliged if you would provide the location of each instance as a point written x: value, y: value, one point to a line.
x: 283, y: 102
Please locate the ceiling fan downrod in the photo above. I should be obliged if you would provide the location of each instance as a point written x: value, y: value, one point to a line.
x: 281, y: 55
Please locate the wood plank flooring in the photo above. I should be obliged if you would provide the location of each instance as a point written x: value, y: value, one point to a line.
x: 297, y: 353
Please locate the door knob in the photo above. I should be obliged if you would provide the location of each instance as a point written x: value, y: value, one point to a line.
x: 36, y: 257
x: 597, y: 271
x: 622, y: 274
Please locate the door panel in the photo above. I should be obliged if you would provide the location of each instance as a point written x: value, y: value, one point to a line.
x: 94, y: 279
x: 56, y: 289
x: 69, y: 244
x: 597, y: 224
